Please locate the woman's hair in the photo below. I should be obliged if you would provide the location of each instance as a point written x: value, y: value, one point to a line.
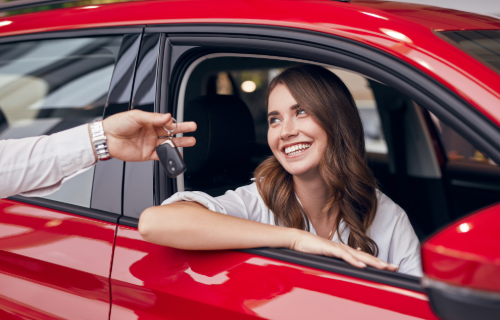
x: 325, y: 98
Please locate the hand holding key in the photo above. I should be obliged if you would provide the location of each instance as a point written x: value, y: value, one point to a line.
x: 169, y: 155
x: 133, y: 135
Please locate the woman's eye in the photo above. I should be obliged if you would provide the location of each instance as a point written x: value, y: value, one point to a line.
x: 273, y: 120
x: 301, y: 111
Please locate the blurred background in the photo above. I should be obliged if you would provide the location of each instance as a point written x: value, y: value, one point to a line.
x: 486, y: 7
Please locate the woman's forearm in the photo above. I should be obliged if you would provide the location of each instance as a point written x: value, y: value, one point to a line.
x: 189, y: 225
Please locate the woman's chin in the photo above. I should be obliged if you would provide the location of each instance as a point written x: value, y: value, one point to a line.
x: 303, y: 171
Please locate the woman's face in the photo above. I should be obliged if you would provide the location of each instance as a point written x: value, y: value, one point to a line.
x: 296, y: 139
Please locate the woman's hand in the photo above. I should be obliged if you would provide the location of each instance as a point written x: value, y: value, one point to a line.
x: 133, y: 135
x: 309, y: 243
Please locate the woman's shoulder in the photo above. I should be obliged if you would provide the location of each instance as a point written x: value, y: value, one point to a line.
x: 250, y: 190
x: 388, y: 213
x: 386, y: 207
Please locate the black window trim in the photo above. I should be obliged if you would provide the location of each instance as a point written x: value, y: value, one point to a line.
x: 425, y: 90
x: 52, y: 204
x: 68, y: 208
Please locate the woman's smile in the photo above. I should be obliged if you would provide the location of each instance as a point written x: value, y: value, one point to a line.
x: 296, y: 150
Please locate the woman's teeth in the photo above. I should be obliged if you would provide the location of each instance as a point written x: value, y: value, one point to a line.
x: 298, y: 148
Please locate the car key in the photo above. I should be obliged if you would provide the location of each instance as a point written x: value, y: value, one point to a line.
x: 169, y: 155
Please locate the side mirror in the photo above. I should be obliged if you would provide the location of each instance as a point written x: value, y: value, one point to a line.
x: 461, y: 265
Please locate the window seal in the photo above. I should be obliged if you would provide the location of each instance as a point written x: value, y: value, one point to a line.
x: 128, y: 221
x: 339, y: 266
x: 68, y: 208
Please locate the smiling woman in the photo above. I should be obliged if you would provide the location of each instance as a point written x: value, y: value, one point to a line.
x: 315, y: 194
x: 311, y: 106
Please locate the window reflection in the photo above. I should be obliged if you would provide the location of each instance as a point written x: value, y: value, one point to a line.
x: 52, y: 85
x: 456, y: 147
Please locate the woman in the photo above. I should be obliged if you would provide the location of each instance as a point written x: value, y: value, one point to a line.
x: 315, y: 194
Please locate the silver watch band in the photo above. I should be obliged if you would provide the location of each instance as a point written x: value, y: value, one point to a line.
x: 99, y: 140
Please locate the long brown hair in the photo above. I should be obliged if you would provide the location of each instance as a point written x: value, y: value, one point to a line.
x: 325, y: 98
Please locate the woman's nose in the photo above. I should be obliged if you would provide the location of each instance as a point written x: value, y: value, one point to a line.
x: 288, y: 130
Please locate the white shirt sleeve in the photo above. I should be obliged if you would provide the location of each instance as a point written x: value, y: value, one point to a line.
x: 38, y: 166
x: 244, y: 202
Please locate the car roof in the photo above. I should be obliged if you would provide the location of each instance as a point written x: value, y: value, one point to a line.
x: 319, y: 12
x: 407, y: 31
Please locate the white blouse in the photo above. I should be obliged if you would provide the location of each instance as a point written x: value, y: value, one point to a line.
x: 391, y: 230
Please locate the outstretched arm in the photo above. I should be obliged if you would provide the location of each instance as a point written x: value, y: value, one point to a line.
x: 189, y: 225
x: 38, y: 166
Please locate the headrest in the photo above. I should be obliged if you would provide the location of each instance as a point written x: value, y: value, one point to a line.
x: 225, y: 137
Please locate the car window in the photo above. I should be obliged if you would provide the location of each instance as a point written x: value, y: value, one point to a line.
x: 456, y: 147
x: 49, y: 86
x: 481, y: 44
x: 241, y: 84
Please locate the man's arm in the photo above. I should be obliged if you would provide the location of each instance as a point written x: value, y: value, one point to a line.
x: 37, y: 166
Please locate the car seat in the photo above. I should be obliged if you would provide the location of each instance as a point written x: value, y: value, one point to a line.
x: 225, y: 142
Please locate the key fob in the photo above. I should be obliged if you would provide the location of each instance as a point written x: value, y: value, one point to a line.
x: 170, y: 158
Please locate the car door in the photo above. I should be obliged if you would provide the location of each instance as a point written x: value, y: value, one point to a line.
x: 149, y: 281
x: 56, y: 251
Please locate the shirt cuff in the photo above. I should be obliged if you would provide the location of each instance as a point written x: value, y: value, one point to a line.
x: 74, y: 149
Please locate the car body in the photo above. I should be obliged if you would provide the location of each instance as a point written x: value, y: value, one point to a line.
x: 62, y: 258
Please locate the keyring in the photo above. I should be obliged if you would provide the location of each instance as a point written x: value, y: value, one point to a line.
x: 170, y: 133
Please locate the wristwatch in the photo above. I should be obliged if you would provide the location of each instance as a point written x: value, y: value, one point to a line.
x: 99, y: 140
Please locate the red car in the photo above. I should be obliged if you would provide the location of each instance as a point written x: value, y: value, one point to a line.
x: 427, y: 84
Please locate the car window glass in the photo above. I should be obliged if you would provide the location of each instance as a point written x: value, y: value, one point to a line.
x: 482, y: 44
x: 242, y: 82
x: 456, y: 147
x: 49, y: 86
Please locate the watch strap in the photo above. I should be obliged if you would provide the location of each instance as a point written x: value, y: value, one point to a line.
x: 99, y: 140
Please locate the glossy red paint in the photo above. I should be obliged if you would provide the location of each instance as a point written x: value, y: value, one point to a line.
x: 466, y: 253
x: 54, y: 265
x: 152, y: 282
x: 402, y: 30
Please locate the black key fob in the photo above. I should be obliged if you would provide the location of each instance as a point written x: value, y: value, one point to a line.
x: 170, y: 158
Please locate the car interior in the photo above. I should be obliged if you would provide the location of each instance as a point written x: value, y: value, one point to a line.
x: 421, y: 163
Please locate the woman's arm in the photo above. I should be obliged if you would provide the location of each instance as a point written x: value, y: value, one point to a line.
x: 189, y: 225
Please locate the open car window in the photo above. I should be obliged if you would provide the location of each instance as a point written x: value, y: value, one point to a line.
x: 241, y: 82
x: 226, y: 96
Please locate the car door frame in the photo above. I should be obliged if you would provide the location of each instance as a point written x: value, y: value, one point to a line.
x: 190, y: 42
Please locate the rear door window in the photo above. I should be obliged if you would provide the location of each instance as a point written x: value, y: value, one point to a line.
x: 49, y: 86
